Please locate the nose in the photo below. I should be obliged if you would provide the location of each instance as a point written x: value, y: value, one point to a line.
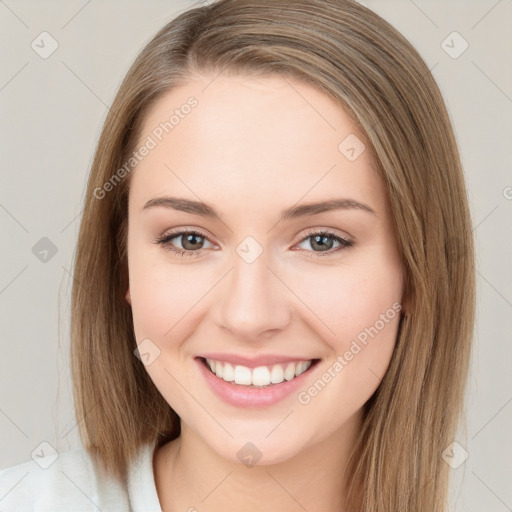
x: 253, y: 302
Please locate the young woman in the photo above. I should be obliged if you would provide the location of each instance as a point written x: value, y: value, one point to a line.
x: 273, y: 292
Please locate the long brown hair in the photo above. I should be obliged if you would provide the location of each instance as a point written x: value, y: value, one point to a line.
x: 379, y: 79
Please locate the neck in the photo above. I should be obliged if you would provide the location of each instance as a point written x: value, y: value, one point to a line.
x: 190, y: 475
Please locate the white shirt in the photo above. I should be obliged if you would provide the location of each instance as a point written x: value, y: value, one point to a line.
x: 73, y: 484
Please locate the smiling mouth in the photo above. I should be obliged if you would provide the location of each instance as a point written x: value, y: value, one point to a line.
x: 260, y: 377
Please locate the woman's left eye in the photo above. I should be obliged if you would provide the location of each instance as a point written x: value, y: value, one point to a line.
x: 319, y: 239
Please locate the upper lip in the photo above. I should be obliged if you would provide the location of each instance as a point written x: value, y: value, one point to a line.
x: 254, y: 362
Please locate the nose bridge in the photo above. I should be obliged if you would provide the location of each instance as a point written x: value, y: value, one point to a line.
x: 253, y: 300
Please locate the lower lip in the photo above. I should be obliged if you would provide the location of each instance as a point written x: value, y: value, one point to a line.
x: 243, y: 396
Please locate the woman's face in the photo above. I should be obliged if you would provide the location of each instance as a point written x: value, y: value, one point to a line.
x: 254, y: 283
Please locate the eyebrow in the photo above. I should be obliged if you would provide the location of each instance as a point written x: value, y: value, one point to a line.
x: 294, y: 212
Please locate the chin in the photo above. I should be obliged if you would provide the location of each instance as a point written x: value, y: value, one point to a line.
x: 258, y: 449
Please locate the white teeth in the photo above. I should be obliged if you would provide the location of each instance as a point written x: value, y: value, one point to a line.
x: 301, y: 367
x: 289, y: 373
x: 228, y: 373
x: 260, y: 376
x: 219, y: 369
x: 277, y: 374
x: 243, y: 375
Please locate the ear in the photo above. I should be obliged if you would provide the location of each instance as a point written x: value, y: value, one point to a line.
x: 128, y: 297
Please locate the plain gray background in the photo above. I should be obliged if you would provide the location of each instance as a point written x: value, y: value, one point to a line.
x: 52, y: 111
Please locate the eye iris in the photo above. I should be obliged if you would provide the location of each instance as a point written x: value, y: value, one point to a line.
x: 187, y: 239
x: 320, y: 238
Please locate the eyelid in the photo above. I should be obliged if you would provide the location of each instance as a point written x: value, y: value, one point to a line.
x: 185, y: 230
x: 345, y: 241
x: 316, y: 230
x: 309, y: 232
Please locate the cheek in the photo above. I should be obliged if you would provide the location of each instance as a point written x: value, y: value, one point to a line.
x: 163, y: 296
x: 338, y: 307
x: 164, y: 305
x: 361, y: 306
x: 346, y: 299
x: 343, y: 299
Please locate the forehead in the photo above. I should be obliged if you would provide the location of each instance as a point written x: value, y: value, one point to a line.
x: 260, y: 140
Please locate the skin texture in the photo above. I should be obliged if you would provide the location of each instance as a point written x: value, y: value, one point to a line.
x: 251, y: 148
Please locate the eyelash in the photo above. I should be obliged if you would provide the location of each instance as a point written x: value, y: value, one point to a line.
x: 164, y: 242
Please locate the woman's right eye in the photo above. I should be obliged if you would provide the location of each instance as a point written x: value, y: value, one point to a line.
x: 188, y: 238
